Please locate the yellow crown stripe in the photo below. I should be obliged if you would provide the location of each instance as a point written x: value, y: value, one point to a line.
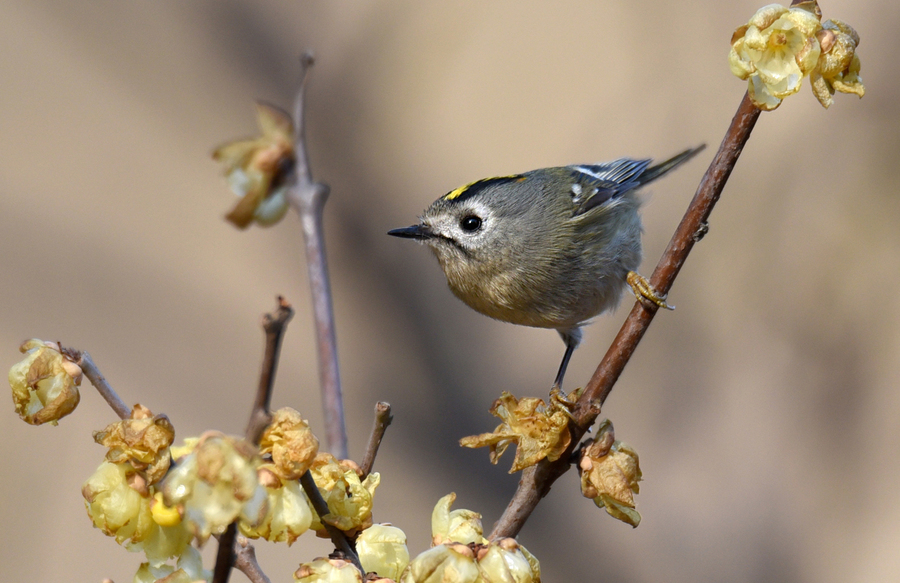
x: 454, y: 194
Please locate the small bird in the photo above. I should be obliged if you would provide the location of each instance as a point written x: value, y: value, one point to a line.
x: 550, y: 248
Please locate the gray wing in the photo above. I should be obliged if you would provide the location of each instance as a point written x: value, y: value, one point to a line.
x: 596, y: 184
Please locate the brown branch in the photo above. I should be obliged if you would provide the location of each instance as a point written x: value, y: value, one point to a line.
x: 308, y: 197
x: 245, y: 561
x: 230, y: 552
x: 383, y: 419
x: 536, y: 480
x: 84, y: 360
x: 338, y: 538
x: 225, y: 554
x: 274, y: 326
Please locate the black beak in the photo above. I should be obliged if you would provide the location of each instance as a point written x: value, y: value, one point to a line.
x: 414, y: 232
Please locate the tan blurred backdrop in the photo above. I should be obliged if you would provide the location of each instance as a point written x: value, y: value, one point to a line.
x: 764, y: 408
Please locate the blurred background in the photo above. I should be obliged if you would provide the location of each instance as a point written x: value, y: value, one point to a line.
x: 764, y: 408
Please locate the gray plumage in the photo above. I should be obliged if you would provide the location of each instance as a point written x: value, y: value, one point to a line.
x: 550, y: 248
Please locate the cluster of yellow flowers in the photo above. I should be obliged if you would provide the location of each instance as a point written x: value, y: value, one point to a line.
x: 214, y: 480
x: 609, y: 469
x: 780, y: 46
x: 460, y: 554
x: 158, y: 498
x: 217, y: 479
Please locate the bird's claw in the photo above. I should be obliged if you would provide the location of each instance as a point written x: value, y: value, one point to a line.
x: 644, y: 292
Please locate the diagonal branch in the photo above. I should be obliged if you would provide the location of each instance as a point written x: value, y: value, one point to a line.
x: 231, y: 553
x: 245, y: 561
x: 536, y: 480
x: 383, y: 419
x: 338, y: 538
x: 274, y: 326
x: 308, y: 197
x: 84, y: 360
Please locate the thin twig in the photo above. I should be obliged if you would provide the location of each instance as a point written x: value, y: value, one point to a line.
x: 225, y: 554
x: 383, y: 419
x: 308, y: 197
x: 338, y: 538
x: 84, y: 360
x: 536, y: 480
x: 274, y: 326
x: 245, y: 561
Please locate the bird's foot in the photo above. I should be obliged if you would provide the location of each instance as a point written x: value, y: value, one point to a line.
x: 644, y: 292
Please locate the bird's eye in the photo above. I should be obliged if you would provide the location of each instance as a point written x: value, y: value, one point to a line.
x: 470, y: 223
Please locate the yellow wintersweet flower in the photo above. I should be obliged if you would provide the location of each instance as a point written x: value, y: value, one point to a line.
x: 44, y: 384
x: 143, y: 441
x: 459, y: 526
x: 775, y: 51
x: 328, y: 571
x: 257, y: 170
x: 538, y: 430
x: 188, y: 569
x: 382, y: 549
x: 446, y: 563
x: 120, y: 505
x: 838, y: 66
x: 288, y: 513
x: 291, y: 443
x: 610, y: 473
x: 215, y: 484
x: 349, y: 498
x: 505, y: 561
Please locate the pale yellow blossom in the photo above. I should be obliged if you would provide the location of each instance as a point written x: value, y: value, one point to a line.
x: 446, y: 563
x: 775, y: 50
x: 129, y: 514
x: 257, y: 170
x: 349, y: 499
x: 459, y: 526
x: 538, y: 430
x: 290, y: 442
x: 503, y: 561
x: 328, y: 571
x: 188, y: 569
x: 838, y: 66
x: 288, y: 513
x: 45, y: 384
x: 143, y: 441
x: 382, y: 549
x: 215, y: 484
x: 610, y: 473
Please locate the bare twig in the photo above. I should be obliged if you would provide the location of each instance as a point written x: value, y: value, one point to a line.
x: 274, y: 325
x: 84, y: 360
x: 536, y: 480
x: 245, y: 561
x: 225, y: 554
x: 308, y: 197
x: 230, y: 553
x: 383, y: 419
x: 340, y: 540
